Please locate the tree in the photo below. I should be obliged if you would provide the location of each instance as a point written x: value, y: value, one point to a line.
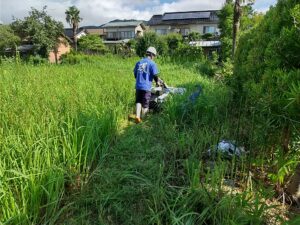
x: 41, y: 30
x: 295, y: 13
x: 234, y: 18
x: 7, y: 38
x: 225, y: 25
x: 174, y: 41
x: 91, y: 43
x: 237, y: 14
x: 151, y: 39
x: 73, y: 18
x: 267, y: 71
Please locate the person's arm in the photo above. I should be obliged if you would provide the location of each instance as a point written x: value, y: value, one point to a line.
x: 135, y: 70
x: 154, y: 72
x: 158, y: 80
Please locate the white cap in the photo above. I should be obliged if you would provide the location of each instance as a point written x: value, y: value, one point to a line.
x: 152, y: 50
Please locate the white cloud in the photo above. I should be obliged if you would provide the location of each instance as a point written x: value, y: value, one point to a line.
x: 97, y: 12
x: 191, y: 5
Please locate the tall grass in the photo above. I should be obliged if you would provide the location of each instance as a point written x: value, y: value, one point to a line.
x: 69, y: 156
x: 56, y: 123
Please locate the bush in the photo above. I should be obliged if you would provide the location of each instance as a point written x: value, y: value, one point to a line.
x: 194, y: 36
x: 151, y: 39
x: 207, y: 36
x: 7, y: 60
x: 124, y: 50
x: 174, y: 41
x: 37, y: 60
x: 267, y: 73
x: 73, y: 58
x: 227, y: 71
x: 187, y: 53
x: 7, y: 39
x: 206, y: 68
x: 92, y: 44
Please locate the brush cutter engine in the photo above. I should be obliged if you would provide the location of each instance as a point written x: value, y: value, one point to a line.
x: 160, y: 93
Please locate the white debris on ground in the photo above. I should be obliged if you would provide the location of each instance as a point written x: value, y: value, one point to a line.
x: 228, y: 148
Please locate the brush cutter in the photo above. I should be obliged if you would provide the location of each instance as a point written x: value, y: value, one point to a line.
x: 160, y: 93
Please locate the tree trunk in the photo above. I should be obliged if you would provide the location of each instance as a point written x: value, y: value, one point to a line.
x: 55, y: 54
x: 286, y: 136
x: 293, y: 187
x: 75, y: 37
x: 236, y: 24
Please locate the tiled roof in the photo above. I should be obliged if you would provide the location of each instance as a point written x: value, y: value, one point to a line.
x: 87, y: 29
x: 68, y: 32
x: 90, y: 27
x: 183, y: 17
x: 156, y: 19
x: 186, y: 15
x: 99, y: 31
x: 122, y: 23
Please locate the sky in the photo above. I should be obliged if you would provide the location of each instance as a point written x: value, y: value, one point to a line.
x: 98, y: 12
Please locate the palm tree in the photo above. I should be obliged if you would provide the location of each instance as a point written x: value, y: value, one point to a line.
x: 73, y: 18
x: 237, y: 14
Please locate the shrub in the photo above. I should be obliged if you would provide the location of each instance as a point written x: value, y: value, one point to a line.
x: 76, y: 58
x: 267, y: 73
x: 151, y: 39
x: 187, y: 53
x: 91, y: 44
x: 7, y: 39
x: 124, y: 50
x: 207, y: 36
x: 174, y: 42
x: 205, y: 68
x: 227, y: 71
x: 37, y: 60
x: 194, y: 36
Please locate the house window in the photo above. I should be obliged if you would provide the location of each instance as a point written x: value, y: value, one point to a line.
x: 161, y: 31
x: 112, y: 35
x: 130, y: 34
x: 208, y: 29
x: 184, y: 32
x: 127, y: 34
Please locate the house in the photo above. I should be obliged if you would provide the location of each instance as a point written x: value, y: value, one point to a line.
x: 69, y: 33
x: 26, y: 49
x: 124, y: 29
x: 202, y: 22
x: 83, y: 31
x: 208, y: 46
x: 63, y: 48
x: 98, y: 30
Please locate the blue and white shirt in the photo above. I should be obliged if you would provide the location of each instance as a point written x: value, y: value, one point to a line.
x: 144, y: 72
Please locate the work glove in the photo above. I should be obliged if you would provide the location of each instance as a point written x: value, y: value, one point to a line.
x: 159, y: 82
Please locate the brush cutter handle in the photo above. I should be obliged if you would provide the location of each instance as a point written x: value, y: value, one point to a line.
x: 159, y: 82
